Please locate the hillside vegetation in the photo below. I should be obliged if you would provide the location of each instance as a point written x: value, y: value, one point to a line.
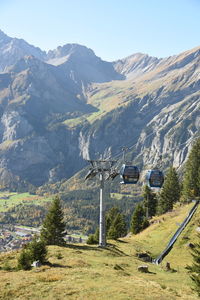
x: 88, y: 272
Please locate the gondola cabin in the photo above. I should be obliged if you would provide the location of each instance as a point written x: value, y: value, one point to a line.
x: 129, y: 174
x: 155, y: 178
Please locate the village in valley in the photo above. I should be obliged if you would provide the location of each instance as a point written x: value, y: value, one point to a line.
x: 15, y: 237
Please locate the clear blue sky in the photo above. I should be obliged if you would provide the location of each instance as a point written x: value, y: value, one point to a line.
x: 112, y: 28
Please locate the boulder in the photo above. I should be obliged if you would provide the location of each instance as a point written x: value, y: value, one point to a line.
x: 143, y: 269
x: 144, y: 257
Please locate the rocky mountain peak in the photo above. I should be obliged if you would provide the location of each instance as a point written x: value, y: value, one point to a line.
x: 82, y: 66
x: 3, y: 35
x: 136, y: 65
x: 3, y: 38
x: 69, y: 50
x: 13, y: 49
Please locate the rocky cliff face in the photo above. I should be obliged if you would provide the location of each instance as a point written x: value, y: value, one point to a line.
x: 157, y: 113
x: 47, y: 130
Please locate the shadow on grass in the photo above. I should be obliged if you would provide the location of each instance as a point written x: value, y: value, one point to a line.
x: 124, y: 242
x: 114, y: 250
x: 149, y: 272
x: 57, y: 265
x: 82, y: 247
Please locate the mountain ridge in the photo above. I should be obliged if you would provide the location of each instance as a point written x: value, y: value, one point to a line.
x: 83, y: 105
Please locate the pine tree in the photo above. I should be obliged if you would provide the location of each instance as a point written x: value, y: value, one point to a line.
x: 110, y: 216
x: 115, y: 224
x: 194, y: 270
x: 38, y: 250
x: 139, y: 220
x: 191, y: 181
x: 93, y: 238
x: 150, y: 202
x: 118, y: 227
x: 53, y: 229
x: 24, y: 260
x: 170, y: 192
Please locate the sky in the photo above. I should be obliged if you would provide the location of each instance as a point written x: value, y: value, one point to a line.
x: 114, y: 29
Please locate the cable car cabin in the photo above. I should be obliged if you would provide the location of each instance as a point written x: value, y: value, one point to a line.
x: 129, y: 174
x: 155, y: 178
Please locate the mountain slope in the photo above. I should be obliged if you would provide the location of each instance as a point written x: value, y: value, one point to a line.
x: 162, y: 104
x: 34, y: 102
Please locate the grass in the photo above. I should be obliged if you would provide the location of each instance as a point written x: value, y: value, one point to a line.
x: 71, y: 123
x: 88, y: 272
x: 16, y: 198
x: 119, y: 196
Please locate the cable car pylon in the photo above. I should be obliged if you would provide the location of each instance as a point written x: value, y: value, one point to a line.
x: 105, y: 170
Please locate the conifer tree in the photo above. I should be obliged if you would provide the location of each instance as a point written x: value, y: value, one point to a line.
x: 191, y: 181
x: 139, y: 220
x: 93, y: 238
x: 24, y: 260
x: 110, y: 216
x: 194, y: 270
x: 38, y: 250
x: 170, y: 192
x: 150, y: 202
x: 35, y: 250
x: 115, y: 224
x: 53, y: 229
x: 118, y: 227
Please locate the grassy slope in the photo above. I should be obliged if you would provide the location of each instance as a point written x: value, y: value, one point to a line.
x: 87, y: 272
x: 15, y: 199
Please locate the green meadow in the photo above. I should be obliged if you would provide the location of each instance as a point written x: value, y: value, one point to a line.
x: 9, y: 200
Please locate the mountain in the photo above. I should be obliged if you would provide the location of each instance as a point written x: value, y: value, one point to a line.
x: 12, y: 49
x: 157, y: 111
x: 34, y: 103
x: 82, y: 64
x: 64, y: 106
x: 136, y: 65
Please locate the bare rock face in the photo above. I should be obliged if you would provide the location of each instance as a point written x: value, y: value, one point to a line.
x: 14, y: 126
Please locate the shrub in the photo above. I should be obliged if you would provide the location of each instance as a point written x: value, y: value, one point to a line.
x: 24, y: 260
